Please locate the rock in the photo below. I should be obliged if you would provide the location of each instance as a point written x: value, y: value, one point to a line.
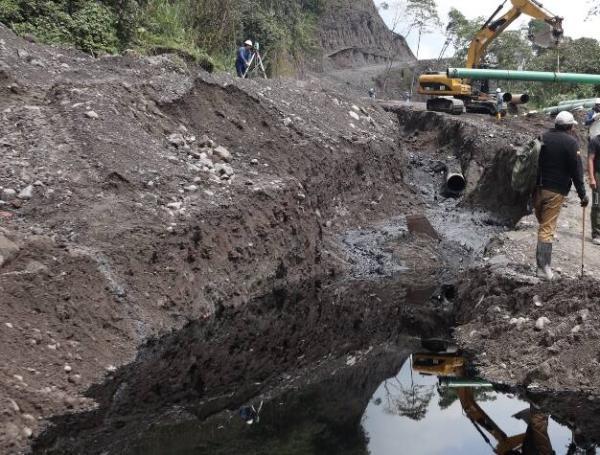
x: 355, y: 108
x: 537, y: 301
x: 172, y: 159
x: 541, y: 323
x: 175, y: 205
x: 9, y: 325
x: 26, y: 193
x: 92, y: 115
x: 223, y: 153
x: 254, y: 162
x: 75, y: 379
x: 8, y: 250
x: 8, y: 194
x: 111, y: 368
x: 354, y: 115
x: 576, y: 329
x: 13, y: 405
x: 67, y: 368
x: 191, y: 188
x: 224, y: 169
x: 176, y: 139
x: 205, y: 162
x: 27, y: 432
x: 205, y: 141
x: 287, y: 121
x: 583, y: 315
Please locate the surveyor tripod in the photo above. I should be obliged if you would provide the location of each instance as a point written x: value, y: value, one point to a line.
x: 256, y: 64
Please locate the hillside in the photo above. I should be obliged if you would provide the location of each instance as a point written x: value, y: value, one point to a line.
x: 295, y: 35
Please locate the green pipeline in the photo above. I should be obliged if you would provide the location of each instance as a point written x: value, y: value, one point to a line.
x: 533, y: 76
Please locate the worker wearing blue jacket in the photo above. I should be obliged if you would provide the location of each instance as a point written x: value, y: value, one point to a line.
x: 244, y: 55
x: 594, y: 114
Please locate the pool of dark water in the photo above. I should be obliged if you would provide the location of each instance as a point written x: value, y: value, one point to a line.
x: 387, y: 405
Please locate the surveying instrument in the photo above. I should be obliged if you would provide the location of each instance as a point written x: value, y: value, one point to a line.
x: 256, y: 63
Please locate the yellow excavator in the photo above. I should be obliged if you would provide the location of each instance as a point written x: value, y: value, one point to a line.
x: 455, y: 95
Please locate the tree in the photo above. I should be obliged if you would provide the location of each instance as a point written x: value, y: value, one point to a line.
x: 424, y: 17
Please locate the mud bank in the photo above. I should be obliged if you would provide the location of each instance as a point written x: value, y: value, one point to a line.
x: 498, y: 316
x: 215, y: 365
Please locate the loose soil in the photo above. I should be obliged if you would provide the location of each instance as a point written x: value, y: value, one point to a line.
x: 138, y: 281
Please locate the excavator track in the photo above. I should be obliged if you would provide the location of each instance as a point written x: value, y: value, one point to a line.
x: 447, y: 105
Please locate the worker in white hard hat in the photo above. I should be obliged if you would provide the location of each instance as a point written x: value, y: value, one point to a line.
x: 594, y: 114
x: 559, y: 168
x: 244, y: 55
x: 499, y: 103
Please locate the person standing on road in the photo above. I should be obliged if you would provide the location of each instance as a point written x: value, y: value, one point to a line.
x: 499, y: 103
x: 244, y: 55
x: 594, y: 176
x: 559, y: 168
x: 594, y: 114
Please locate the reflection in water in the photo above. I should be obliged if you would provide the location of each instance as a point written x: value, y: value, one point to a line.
x: 431, y: 407
x: 434, y: 406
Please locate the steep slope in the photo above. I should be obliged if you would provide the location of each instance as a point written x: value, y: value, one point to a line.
x: 353, y: 34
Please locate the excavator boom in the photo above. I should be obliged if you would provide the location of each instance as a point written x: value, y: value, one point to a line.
x: 494, y: 27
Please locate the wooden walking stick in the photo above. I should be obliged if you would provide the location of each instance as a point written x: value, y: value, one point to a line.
x: 583, y: 245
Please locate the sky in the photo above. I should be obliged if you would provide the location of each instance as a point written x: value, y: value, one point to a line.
x: 576, y: 22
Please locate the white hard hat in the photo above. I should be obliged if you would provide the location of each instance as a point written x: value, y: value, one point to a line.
x: 248, y: 43
x: 597, y: 101
x: 498, y: 90
x: 565, y: 118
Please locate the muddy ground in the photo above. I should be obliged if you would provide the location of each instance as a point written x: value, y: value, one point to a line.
x: 174, y: 240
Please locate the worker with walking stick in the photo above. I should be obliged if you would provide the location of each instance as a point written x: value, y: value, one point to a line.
x: 559, y: 168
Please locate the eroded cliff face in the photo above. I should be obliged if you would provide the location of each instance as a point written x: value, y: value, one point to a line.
x: 353, y: 34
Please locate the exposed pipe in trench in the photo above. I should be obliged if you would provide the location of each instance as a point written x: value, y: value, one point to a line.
x: 454, y: 184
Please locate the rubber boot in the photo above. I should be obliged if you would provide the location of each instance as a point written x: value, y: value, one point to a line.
x: 544, y: 261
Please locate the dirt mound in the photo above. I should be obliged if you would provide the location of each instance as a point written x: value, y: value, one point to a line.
x: 543, y: 336
x: 138, y: 196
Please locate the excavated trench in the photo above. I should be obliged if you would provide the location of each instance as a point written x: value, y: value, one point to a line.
x: 315, y: 357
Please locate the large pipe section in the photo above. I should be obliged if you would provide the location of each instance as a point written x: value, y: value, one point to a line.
x: 584, y: 101
x: 553, y: 110
x: 533, y: 76
x: 454, y: 184
x: 516, y: 99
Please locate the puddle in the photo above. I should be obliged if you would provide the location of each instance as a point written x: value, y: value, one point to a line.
x: 429, y: 415
x: 356, y: 411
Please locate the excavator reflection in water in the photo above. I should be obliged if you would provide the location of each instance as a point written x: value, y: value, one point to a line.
x: 451, y: 370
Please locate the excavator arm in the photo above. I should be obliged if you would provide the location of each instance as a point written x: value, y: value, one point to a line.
x: 494, y: 27
x: 454, y: 95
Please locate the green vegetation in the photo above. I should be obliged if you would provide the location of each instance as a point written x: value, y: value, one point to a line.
x: 206, y: 31
x: 514, y: 50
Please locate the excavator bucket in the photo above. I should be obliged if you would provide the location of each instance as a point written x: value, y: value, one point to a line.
x: 545, y: 37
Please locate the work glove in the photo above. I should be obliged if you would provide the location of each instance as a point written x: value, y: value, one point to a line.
x: 585, y: 201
